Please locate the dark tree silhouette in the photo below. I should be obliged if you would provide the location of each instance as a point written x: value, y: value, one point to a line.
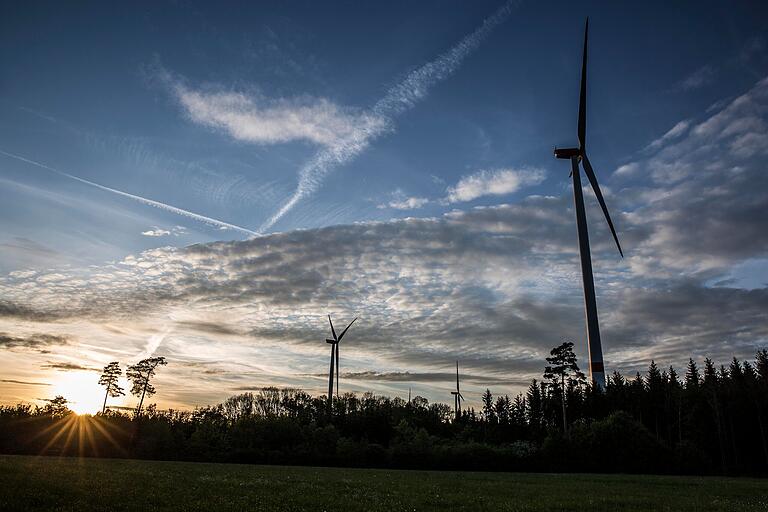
x: 140, y: 374
x: 108, y: 379
x: 563, y: 370
x: 713, y: 420
x: 535, y: 410
x: 57, y: 407
x: 488, y: 411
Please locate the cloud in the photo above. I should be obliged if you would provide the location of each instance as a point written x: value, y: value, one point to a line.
x: 68, y: 367
x: 698, y: 79
x: 493, y: 182
x: 32, y: 341
x: 260, y: 120
x: 156, y: 232
x: 381, y: 117
x: 626, y: 169
x: 494, y: 286
x: 12, y: 381
x: 676, y: 131
x: 440, y: 377
x: 402, y: 202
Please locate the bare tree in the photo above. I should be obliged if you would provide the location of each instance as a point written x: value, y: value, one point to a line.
x: 140, y: 374
x: 108, y: 379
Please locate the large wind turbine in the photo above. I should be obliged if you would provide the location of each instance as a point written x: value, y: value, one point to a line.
x: 457, y: 396
x: 335, y: 355
x: 576, y: 156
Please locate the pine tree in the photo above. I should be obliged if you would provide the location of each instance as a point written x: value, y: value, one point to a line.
x: 108, y: 379
x: 488, y: 412
x: 692, y: 377
x: 675, y: 400
x: 710, y: 387
x: 535, y: 406
x: 761, y: 364
x: 756, y: 391
x: 140, y: 374
x: 502, y: 409
x: 655, y: 396
x: 519, y: 410
x: 563, y: 370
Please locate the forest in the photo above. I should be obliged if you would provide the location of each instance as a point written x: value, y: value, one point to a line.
x: 706, y: 419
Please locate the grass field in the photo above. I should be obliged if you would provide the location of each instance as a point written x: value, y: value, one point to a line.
x: 44, y: 483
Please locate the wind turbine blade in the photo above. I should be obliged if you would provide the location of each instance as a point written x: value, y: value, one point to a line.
x: 593, y: 180
x: 332, y: 330
x: 461, y: 397
x: 583, y: 93
x: 345, y: 330
x: 457, y: 375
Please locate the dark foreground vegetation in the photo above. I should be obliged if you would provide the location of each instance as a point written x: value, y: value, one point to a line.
x: 44, y: 483
x: 710, y: 421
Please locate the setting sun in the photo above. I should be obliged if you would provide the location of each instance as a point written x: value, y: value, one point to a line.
x: 82, y: 390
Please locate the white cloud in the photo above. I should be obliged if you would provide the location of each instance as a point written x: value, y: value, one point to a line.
x: 269, y: 121
x: 409, y: 203
x: 626, y: 169
x: 400, y: 201
x: 493, y: 182
x: 675, y: 132
x: 156, y: 232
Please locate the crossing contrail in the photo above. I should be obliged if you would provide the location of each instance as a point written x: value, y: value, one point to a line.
x: 381, y: 117
x: 142, y: 200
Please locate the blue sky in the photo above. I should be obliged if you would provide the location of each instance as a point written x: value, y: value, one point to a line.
x: 217, y: 111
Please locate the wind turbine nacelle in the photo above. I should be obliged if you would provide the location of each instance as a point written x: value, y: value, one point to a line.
x: 329, y: 341
x: 567, y: 153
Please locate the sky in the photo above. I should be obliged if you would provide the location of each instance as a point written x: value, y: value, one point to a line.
x: 206, y: 183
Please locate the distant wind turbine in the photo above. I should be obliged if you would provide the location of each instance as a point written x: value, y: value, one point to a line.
x: 457, y: 396
x: 335, y: 355
x: 576, y: 156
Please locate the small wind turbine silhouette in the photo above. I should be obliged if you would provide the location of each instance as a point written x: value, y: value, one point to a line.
x: 457, y: 396
x: 576, y: 156
x: 335, y: 355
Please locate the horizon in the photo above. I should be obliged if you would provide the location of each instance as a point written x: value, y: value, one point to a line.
x: 207, y: 185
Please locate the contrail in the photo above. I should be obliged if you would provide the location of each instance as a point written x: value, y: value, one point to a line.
x: 153, y: 343
x: 380, y: 119
x: 143, y: 200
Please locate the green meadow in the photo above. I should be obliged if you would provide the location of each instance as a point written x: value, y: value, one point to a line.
x: 64, y: 484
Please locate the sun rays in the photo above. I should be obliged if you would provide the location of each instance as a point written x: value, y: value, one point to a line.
x: 81, y: 435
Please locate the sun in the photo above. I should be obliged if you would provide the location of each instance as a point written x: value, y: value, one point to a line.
x: 82, y: 390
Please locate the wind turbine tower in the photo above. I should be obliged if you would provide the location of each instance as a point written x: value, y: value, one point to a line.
x: 335, y: 358
x: 457, y: 396
x: 579, y: 156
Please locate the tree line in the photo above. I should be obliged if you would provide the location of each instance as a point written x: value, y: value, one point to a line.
x: 708, y: 420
